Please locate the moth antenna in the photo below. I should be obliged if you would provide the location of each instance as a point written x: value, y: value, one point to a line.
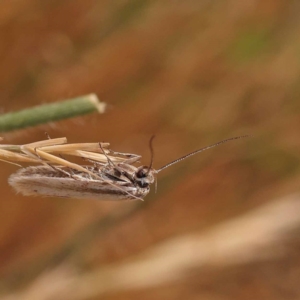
x: 152, y: 153
x: 199, y: 150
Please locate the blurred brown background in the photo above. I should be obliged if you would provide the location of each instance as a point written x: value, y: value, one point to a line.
x: 222, y: 225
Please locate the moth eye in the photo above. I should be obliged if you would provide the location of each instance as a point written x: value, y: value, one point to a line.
x: 142, y: 173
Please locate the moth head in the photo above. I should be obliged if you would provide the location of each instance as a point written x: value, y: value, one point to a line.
x: 144, y: 176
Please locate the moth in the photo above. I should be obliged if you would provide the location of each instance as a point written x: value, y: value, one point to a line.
x: 109, y: 176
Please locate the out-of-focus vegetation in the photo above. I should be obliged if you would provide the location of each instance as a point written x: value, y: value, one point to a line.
x: 223, y: 224
x: 52, y: 112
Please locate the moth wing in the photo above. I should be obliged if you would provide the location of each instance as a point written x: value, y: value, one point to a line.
x: 34, y: 181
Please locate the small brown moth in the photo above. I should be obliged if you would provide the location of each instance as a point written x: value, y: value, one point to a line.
x: 111, y: 176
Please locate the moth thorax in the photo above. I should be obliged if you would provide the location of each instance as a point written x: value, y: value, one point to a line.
x: 144, y: 176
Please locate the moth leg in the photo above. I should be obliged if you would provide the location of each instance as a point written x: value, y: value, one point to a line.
x: 110, y: 162
x: 61, y: 170
x: 120, y: 171
x: 120, y: 188
x: 71, y: 174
